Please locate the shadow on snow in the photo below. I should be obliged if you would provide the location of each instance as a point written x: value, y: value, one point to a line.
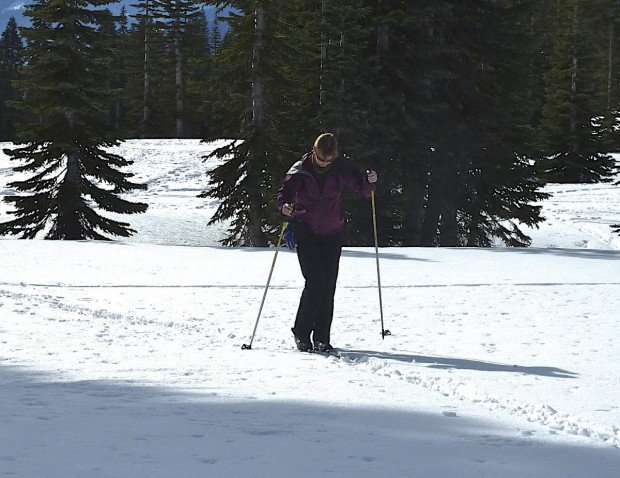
x: 609, y: 255
x: 104, y: 428
x: 457, y: 363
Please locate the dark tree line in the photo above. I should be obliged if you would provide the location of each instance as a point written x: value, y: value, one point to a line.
x: 465, y: 107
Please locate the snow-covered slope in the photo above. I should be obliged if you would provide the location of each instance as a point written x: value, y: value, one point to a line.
x: 124, y: 359
x: 579, y: 216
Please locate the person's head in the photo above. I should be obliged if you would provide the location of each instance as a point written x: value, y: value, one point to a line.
x: 325, y: 149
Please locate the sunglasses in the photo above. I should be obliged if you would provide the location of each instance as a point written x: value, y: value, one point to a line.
x: 320, y: 159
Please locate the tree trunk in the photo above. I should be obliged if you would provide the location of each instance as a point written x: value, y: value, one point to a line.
x: 449, y: 229
x: 414, y: 215
x: 610, y: 63
x: 147, y: 81
x: 256, y: 236
x: 255, y: 231
x: 342, y: 85
x: 67, y: 222
x: 324, y: 39
x: 473, y: 229
x: 573, y: 120
x: 180, y: 113
x: 383, y: 37
x: 432, y: 212
x: 258, y: 94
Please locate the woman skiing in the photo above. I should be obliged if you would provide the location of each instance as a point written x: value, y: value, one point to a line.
x: 310, y: 197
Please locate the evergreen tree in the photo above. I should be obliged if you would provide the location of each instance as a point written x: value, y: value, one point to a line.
x: 65, y: 145
x: 574, y: 134
x: 118, y: 111
x: 422, y: 91
x: 198, y: 68
x: 115, y: 30
x: 183, y: 25
x: 458, y: 157
x: 148, y: 110
x: 11, y: 59
x: 345, y: 30
x: 168, y: 69
x: 177, y: 19
x: 248, y: 104
x: 391, y: 143
x: 500, y: 184
x: 216, y: 37
x: 295, y: 66
x: 610, y: 53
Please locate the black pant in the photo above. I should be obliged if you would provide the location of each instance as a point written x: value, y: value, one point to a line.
x: 319, y: 258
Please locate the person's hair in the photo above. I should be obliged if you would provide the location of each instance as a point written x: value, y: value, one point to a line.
x: 326, y: 146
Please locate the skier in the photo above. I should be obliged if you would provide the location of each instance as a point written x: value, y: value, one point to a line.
x: 310, y: 199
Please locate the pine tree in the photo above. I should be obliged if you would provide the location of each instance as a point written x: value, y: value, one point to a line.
x: 11, y: 59
x: 177, y: 17
x: 610, y: 59
x: 501, y: 188
x: 118, y: 111
x: 392, y: 144
x: 65, y: 145
x: 216, y: 37
x: 148, y: 110
x: 198, y: 69
x: 439, y: 96
x: 345, y: 30
x: 473, y: 114
x: 115, y: 32
x: 613, y: 76
x: 144, y: 36
x: 572, y: 132
x: 248, y: 105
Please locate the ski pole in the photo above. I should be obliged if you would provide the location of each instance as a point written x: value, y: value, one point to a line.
x: 249, y: 346
x: 374, y: 224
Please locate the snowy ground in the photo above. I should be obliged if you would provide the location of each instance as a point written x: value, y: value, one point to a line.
x: 124, y: 359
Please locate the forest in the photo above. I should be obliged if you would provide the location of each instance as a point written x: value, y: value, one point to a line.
x: 465, y: 108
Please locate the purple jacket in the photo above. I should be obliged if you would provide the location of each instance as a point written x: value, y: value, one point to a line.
x: 320, y: 210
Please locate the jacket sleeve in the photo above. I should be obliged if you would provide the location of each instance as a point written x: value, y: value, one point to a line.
x: 356, y: 179
x: 288, y: 190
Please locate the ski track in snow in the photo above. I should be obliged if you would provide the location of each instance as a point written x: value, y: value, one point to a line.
x: 113, y: 327
x: 540, y: 413
x: 282, y: 287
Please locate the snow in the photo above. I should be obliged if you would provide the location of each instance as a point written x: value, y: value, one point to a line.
x: 124, y: 359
